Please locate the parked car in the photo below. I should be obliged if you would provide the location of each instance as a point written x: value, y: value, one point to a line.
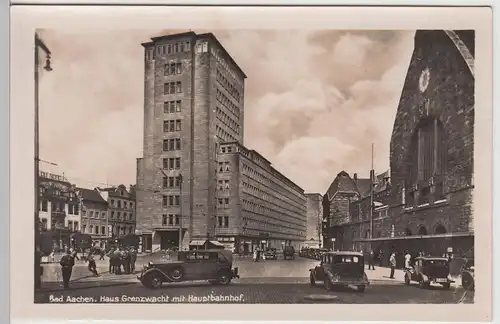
x: 467, y: 274
x: 289, y: 252
x: 428, y: 270
x: 340, y: 268
x: 303, y: 252
x: 271, y: 254
x: 318, y: 253
x: 214, y: 265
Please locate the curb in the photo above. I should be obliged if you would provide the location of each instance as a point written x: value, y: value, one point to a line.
x: 46, y: 290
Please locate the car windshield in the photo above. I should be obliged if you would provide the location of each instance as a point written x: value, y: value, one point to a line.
x: 345, y: 259
x: 437, y: 262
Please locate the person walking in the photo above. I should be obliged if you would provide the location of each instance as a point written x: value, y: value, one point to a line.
x: 67, y: 262
x: 92, y: 265
x: 133, y: 259
x: 407, y: 260
x: 392, y: 262
x: 371, y: 260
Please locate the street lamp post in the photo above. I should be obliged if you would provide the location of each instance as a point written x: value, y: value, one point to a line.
x: 39, y: 44
x: 180, y: 211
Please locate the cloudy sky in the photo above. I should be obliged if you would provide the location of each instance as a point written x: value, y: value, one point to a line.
x: 314, y: 101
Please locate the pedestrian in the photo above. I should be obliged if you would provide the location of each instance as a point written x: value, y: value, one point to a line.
x: 117, y: 264
x: 92, y: 265
x: 258, y: 254
x: 371, y: 260
x: 133, y: 259
x: 67, y: 262
x: 255, y: 255
x: 392, y: 262
x: 407, y: 260
x: 381, y: 257
x: 111, y: 260
x: 126, y: 261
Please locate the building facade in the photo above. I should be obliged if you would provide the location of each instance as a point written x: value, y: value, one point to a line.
x: 121, y: 219
x: 432, y: 150
x: 94, y: 216
x: 314, y: 235
x: 350, y: 208
x: 256, y: 205
x: 59, y: 211
x: 193, y: 104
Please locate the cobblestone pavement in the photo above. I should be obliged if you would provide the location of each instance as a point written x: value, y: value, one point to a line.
x: 270, y: 281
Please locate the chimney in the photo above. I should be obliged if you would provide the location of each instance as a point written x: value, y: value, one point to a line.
x: 355, y: 177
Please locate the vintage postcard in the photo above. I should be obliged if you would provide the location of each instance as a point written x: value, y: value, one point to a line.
x: 206, y: 159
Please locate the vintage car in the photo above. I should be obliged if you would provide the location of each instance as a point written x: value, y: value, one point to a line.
x: 467, y: 274
x: 289, y: 252
x: 214, y: 265
x: 428, y: 270
x: 271, y: 254
x: 340, y: 268
x: 318, y: 253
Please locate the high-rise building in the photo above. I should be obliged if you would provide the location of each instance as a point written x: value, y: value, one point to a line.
x: 193, y: 106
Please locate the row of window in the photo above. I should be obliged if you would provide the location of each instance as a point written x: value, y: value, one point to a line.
x: 170, y: 219
x: 171, y: 201
x: 96, y: 213
x: 224, y: 167
x: 94, y: 229
x: 276, y: 186
x: 227, y: 103
x: 291, y: 210
x: 228, y: 121
x: 227, y: 148
x: 223, y: 221
x: 172, y: 87
x: 223, y: 135
x: 57, y: 206
x: 172, y: 163
x: 202, y: 47
x: 118, y: 216
x: 228, y: 85
x: 118, y: 204
x: 171, y: 182
x: 178, y: 47
x: 173, y: 68
x: 223, y: 203
x: 224, y: 64
x: 251, y: 223
x: 170, y: 107
x: 170, y: 126
x: 260, y: 209
x: 171, y: 144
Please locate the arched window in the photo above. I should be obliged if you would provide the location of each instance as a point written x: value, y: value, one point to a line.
x: 422, y: 230
x: 408, y: 232
x: 428, y: 157
x: 440, y: 229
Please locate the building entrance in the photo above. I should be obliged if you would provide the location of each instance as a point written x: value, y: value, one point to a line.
x: 169, y: 240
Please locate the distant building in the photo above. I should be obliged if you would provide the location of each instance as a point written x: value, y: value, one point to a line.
x: 257, y: 206
x: 59, y: 209
x: 432, y: 150
x: 314, y: 235
x: 94, y: 216
x: 347, y: 211
x: 121, y: 210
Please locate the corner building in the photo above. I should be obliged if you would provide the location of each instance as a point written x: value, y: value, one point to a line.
x: 193, y: 102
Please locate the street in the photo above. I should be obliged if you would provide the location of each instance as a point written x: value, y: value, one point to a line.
x: 271, y: 281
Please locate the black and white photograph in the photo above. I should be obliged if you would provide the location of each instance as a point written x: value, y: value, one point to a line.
x: 256, y: 166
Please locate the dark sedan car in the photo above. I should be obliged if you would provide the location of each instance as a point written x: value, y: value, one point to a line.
x: 212, y: 265
x: 428, y: 270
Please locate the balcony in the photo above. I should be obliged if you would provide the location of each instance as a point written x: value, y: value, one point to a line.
x: 58, y: 214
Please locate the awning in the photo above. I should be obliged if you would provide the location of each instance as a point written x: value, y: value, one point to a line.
x: 197, y: 243
x: 217, y: 243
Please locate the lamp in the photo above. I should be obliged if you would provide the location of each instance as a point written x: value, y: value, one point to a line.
x: 47, y: 66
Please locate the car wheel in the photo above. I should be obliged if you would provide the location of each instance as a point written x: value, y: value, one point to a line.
x: 361, y: 289
x: 223, y: 278
x: 152, y: 281
x: 407, y: 279
x: 446, y: 285
x: 467, y: 282
x: 312, y: 280
x: 177, y: 273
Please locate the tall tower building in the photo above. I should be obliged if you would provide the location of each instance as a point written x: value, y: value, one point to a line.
x: 193, y: 100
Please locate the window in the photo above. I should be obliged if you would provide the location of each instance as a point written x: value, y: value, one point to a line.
x: 44, y: 205
x: 188, y: 46
x: 182, y: 47
x: 169, y: 49
x: 226, y: 166
x: 176, y: 47
x: 164, y: 220
x: 44, y: 224
x: 226, y: 201
x: 178, y: 87
x: 204, y: 47
x: 118, y: 215
x: 119, y: 203
x: 91, y: 229
x: 172, y: 144
x: 112, y: 214
x: 171, y: 201
x: 170, y: 219
x: 97, y: 229
x: 103, y: 229
x: 226, y: 221
x: 125, y: 205
x: 70, y: 225
x: 165, y: 163
x: 177, y: 163
x: 112, y: 202
x: 84, y: 228
x: 220, y: 221
x: 91, y: 214
x: 177, y: 219
x: 226, y: 184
